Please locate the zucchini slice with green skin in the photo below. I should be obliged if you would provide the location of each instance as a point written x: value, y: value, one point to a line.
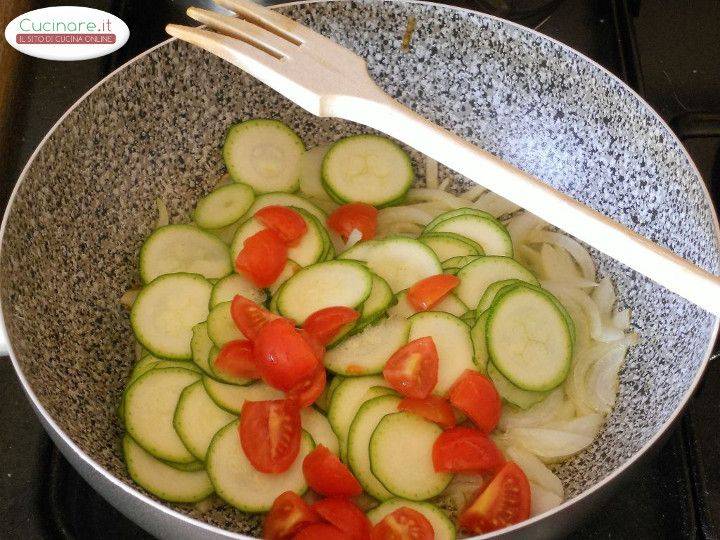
x: 402, y: 261
x: 358, y: 453
x: 145, y: 364
x: 469, y: 318
x: 449, y: 245
x: 477, y: 335
x: 345, y: 402
x: 511, y: 393
x: 150, y: 405
x: 450, y: 304
x: 187, y: 467
x: 406, y: 469
x: 264, y: 154
x: 286, y: 199
x: 360, y: 251
x: 176, y: 249
x: 367, y: 168
x: 441, y: 523
x: 165, y: 312
x: 311, y: 172
x: 201, y: 345
x: 231, y: 397
x: 323, y: 402
x: 493, y: 289
x: 365, y: 353
x: 326, y: 284
x: 230, y: 286
x: 317, y: 425
x: 375, y: 305
x: 458, y: 262
x: 162, y: 480
x: 430, y: 227
x: 197, y: 419
x: 220, y: 326
x: 378, y: 391
x: 529, y: 340
x: 223, y: 206
x: 477, y: 276
x: 558, y: 304
x: 239, y: 484
x: 452, y: 341
x: 291, y: 268
x: 489, y: 233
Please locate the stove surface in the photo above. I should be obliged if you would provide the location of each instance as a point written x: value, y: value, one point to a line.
x: 668, y: 50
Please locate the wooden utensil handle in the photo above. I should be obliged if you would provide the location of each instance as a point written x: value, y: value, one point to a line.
x: 375, y: 109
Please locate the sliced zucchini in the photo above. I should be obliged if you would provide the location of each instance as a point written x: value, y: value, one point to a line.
x: 345, y: 402
x: 375, y: 305
x: 511, y: 393
x: 488, y: 232
x: 232, y: 397
x: 402, y: 261
x: 220, y: 325
x: 366, y: 353
x: 183, y: 248
x: 450, y: 304
x: 317, y: 425
x: 442, y: 525
x: 311, y: 172
x: 449, y: 245
x: 323, y: 402
x: 529, y: 340
x: 184, y: 364
x: 187, y: 467
x: 458, y: 262
x: 479, y: 343
x: 163, y: 480
x: 239, y: 484
x: 452, y: 341
x: 226, y: 234
x: 360, y: 251
x: 201, y: 345
x: 489, y: 295
x: 430, y: 227
x: 291, y: 268
x: 223, y: 206
x: 367, y: 168
x: 377, y: 391
x: 468, y: 318
x: 150, y: 404
x: 478, y: 275
x: 145, y: 364
x: 326, y: 284
x: 165, y: 312
x: 401, y: 456
x: 197, y: 419
x: 286, y: 199
x: 230, y: 286
x: 358, y: 444
x: 265, y: 154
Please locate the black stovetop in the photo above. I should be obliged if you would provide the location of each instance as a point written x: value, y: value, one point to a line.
x: 668, y: 50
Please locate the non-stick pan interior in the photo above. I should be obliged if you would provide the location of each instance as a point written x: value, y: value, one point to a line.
x: 153, y: 130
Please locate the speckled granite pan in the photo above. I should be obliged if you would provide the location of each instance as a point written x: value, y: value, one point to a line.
x: 154, y: 128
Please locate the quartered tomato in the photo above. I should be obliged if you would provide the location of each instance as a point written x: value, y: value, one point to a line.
x: 463, y: 449
x: 288, y: 514
x: 317, y: 347
x: 327, y: 323
x: 288, y: 223
x: 412, y: 370
x: 284, y: 358
x: 403, y: 524
x: 345, y: 516
x: 429, y: 292
x: 505, y: 501
x: 433, y: 408
x: 306, y: 392
x: 236, y: 359
x: 321, y: 531
x: 348, y: 217
x: 262, y: 257
x: 270, y: 434
x: 327, y: 475
x: 475, y: 395
x: 249, y: 317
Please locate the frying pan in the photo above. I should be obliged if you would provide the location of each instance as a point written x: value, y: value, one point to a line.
x: 85, y: 202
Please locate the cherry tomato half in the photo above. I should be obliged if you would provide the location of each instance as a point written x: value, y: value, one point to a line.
x: 345, y: 516
x: 236, y: 359
x: 288, y: 223
x: 306, y: 392
x: 288, y: 514
x: 429, y: 292
x: 262, y: 257
x: 321, y: 531
x: 327, y: 475
x: 348, y: 217
x: 412, y: 369
x: 433, y: 408
x: 327, y: 323
x: 463, y: 449
x: 475, y: 395
x: 270, y: 434
x: 249, y: 317
x: 403, y: 524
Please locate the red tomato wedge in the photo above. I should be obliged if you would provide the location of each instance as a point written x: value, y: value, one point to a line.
x: 270, y: 434
x: 306, y: 392
x: 505, y: 501
x: 288, y: 514
x: 327, y: 475
x: 321, y: 531
x: 345, y: 516
x: 317, y: 347
x: 288, y: 223
x: 463, y: 449
x: 284, y: 358
x: 262, y: 257
x: 475, y: 395
x: 403, y: 524
x: 429, y: 292
x: 236, y: 359
x: 433, y: 408
x: 327, y: 323
x: 412, y: 369
x: 348, y: 217
x: 250, y: 317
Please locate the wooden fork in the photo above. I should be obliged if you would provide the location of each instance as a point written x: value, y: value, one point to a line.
x: 329, y: 80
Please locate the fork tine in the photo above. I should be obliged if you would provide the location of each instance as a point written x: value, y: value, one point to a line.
x: 243, y: 30
x: 266, y: 18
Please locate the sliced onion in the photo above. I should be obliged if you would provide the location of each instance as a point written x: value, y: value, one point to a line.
x: 495, y: 205
x: 450, y: 201
x: 538, y: 414
x: 536, y: 471
x: 128, y: 298
x: 336, y: 240
x: 474, y: 192
x: 431, y: 172
x: 163, y: 218
x: 604, y: 297
x: 542, y: 500
x: 556, y: 264
x: 353, y: 238
x: 461, y: 491
x: 522, y: 224
x: 530, y: 258
x: 403, y: 214
x: 597, y: 330
x: 409, y: 229
x: 580, y: 283
x: 602, y: 380
x: 549, y: 445
x: 572, y: 246
x: 566, y: 411
x: 621, y: 319
x: 588, y: 424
